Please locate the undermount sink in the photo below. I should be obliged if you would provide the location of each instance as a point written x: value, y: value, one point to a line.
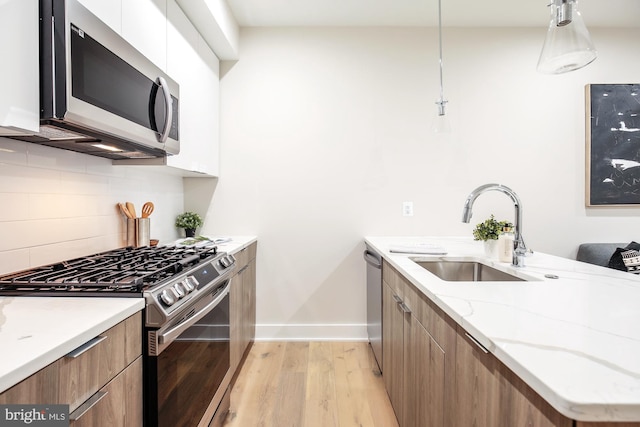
x: 466, y: 271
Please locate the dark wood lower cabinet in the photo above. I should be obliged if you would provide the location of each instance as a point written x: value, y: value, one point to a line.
x: 428, y: 378
x: 488, y: 394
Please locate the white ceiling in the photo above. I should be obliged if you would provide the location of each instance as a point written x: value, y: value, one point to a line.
x: 466, y: 13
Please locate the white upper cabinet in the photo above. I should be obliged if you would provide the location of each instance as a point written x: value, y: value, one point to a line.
x: 109, y: 12
x: 144, y: 25
x: 196, y: 69
x: 19, y: 74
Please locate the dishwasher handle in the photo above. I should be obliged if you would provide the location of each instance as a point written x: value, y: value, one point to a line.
x: 372, y: 258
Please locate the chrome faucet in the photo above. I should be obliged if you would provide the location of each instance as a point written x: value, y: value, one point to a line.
x: 519, y: 248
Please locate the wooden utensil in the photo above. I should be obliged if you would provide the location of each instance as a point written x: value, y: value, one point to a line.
x: 131, y: 209
x: 147, y: 209
x: 124, y: 210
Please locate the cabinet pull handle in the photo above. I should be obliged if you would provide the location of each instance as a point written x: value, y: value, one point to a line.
x: 86, y: 406
x: 405, y: 308
x: 242, y: 269
x: 397, y: 298
x: 73, y: 354
x: 477, y: 343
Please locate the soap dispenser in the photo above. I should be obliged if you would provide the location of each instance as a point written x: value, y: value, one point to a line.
x: 505, y: 245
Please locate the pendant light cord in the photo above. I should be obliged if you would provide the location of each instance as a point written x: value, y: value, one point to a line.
x: 441, y: 102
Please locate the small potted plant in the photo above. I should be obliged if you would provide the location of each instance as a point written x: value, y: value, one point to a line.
x: 189, y: 221
x: 488, y: 232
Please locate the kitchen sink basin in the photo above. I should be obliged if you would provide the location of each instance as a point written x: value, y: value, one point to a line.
x: 466, y: 271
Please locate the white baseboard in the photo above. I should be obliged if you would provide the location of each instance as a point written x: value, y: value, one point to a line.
x: 311, y: 332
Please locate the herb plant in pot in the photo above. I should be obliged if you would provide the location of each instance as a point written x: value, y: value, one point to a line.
x: 488, y: 232
x: 189, y: 221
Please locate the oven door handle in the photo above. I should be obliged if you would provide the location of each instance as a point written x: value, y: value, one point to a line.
x: 171, y: 334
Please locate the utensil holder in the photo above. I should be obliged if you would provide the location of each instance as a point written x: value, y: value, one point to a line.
x: 138, y: 232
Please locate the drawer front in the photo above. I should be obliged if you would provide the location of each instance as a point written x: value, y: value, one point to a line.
x: 244, y: 255
x: 85, y: 370
x: 242, y: 258
x: 252, y: 249
x: 117, y: 404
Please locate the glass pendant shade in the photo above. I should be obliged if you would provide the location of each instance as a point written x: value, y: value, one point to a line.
x: 568, y: 45
x: 441, y: 123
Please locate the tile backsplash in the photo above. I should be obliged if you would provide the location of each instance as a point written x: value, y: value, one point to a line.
x: 57, y: 204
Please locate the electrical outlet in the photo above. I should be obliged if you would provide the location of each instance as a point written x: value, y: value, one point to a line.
x: 407, y: 208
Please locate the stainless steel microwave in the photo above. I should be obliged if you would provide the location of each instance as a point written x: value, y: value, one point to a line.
x: 98, y: 94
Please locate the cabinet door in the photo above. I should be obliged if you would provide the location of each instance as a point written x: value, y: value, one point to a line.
x: 477, y: 385
x: 393, y: 348
x: 520, y: 405
x: 427, y: 380
x: 144, y: 25
x: 109, y: 12
x: 19, y: 75
x: 235, y: 320
x: 249, y: 304
x: 196, y: 69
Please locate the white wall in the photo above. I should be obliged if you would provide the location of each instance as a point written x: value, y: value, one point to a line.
x: 325, y: 132
x: 57, y: 204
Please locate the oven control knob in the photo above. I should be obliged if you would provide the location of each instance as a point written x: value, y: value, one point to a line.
x: 188, y: 285
x: 227, y: 261
x: 167, y: 297
x: 192, y: 281
x: 179, y: 290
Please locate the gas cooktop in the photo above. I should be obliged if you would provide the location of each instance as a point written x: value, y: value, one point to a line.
x: 126, y: 272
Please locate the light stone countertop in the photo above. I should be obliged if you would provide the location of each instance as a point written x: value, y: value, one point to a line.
x: 36, y: 331
x: 236, y: 244
x: 575, y: 340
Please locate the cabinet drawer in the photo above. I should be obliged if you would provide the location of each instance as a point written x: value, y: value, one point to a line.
x: 244, y: 255
x: 85, y: 370
x: 393, y: 279
x: 117, y: 404
x: 242, y: 258
x: 252, y: 249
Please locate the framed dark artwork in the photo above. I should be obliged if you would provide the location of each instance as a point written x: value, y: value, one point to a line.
x: 613, y: 145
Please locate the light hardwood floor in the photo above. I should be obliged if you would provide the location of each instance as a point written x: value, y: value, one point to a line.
x: 310, y: 384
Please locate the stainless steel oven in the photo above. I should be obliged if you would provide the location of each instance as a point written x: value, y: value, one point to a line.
x: 186, y: 321
x: 187, y: 365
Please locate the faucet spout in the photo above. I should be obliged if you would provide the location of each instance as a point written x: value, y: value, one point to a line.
x: 519, y: 248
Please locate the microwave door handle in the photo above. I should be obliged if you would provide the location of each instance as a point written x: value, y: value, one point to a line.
x: 169, y: 107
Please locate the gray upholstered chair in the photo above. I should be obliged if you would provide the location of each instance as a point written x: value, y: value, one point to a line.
x: 597, y: 253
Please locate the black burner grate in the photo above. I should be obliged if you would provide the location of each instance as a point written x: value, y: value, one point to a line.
x: 126, y: 270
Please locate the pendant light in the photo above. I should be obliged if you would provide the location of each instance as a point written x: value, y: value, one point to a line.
x: 568, y: 45
x: 441, y: 122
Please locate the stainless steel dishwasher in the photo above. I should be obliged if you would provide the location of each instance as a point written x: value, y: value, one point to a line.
x: 374, y: 302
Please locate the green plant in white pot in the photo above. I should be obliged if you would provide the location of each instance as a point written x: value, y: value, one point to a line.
x: 189, y: 221
x: 488, y: 232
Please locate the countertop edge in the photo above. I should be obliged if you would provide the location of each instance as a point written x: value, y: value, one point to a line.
x: 236, y: 244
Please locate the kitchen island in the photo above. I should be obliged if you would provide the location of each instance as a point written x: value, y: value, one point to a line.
x: 574, y: 339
